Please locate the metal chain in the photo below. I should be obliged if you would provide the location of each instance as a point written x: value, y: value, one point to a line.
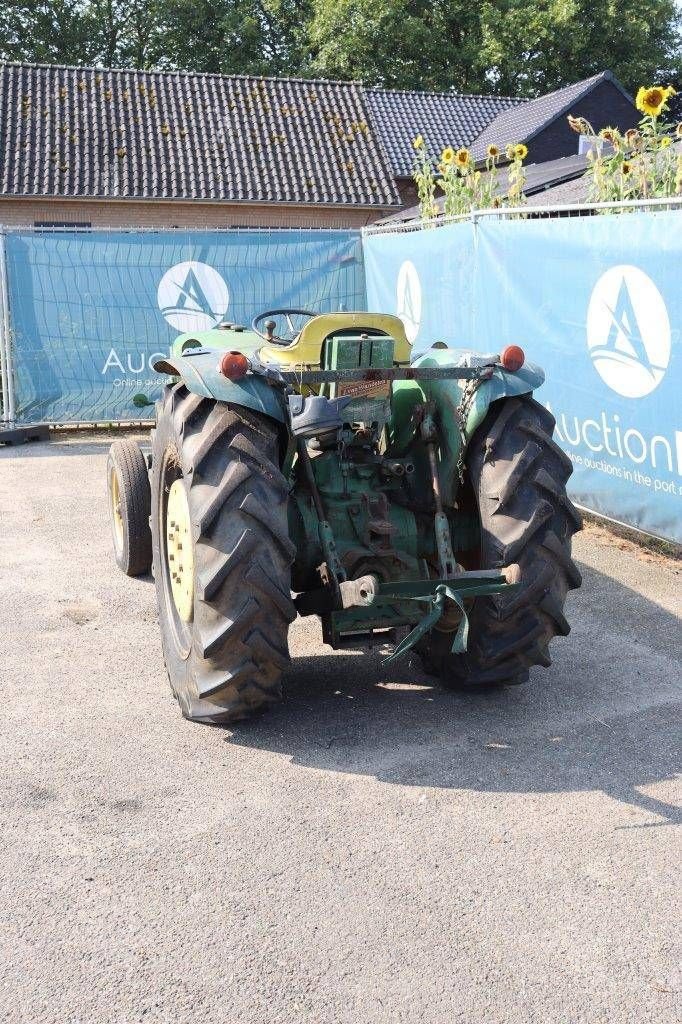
x: 463, y: 409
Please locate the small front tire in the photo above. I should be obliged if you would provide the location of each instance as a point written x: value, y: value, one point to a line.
x: 129, y: 507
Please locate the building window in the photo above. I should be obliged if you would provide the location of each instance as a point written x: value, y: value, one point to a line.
x: 74, y: 225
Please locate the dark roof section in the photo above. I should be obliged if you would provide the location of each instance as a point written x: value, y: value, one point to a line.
x: 443, y: 118
x: 522, y: 123
x: 88, y: 132
x: 564, y: 193
x: 541, y: 180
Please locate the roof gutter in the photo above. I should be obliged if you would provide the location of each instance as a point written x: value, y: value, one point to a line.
x: 175, y: 200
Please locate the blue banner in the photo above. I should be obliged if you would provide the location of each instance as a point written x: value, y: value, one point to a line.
x: 594, y: 300
x: 89, y: 311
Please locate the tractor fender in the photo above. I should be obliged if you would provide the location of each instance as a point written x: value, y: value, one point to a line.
x: 200, y: 372
x: 447, y: 395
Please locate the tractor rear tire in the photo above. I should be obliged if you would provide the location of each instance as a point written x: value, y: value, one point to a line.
x: 518, y: 477
x: 225, y: 660
x: 129, y: 507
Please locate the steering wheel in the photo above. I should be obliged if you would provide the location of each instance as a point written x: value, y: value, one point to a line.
x: 269, y: 336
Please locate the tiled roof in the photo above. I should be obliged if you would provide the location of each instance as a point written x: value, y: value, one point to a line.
x: 521, y: 123
x: 444, y: 119
x: 80, y: 132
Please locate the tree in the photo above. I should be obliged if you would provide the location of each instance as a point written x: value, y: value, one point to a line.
x: 122, y: 34
x: 516, y: 47
x: 513, y: 47
x: 531, y: 48
x: 47, y: 32
x: 398, y: 43
x: 236, y: 36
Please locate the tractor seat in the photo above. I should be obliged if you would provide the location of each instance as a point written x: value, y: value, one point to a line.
x: 306, y: 348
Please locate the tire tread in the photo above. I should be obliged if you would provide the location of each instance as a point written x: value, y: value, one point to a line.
x: 518, y: 473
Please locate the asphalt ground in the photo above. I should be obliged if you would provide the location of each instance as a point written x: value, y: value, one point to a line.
x: 375, y: 849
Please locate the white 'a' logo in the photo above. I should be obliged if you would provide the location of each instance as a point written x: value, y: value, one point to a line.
x: 193, y: 296
x: 628, y: 331
x: 409, y: 299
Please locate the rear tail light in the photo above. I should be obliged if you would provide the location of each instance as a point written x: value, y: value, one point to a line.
x: 234, y: 365
x: 512, y: 358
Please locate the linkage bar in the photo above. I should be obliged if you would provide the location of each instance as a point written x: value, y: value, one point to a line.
x: 388, y: 373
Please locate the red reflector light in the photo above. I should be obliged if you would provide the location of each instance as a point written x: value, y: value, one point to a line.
x: 513, y: 358
x: 234, y: 365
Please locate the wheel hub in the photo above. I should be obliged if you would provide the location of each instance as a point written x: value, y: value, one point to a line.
x: 180, y: 551
x: 115, y: 491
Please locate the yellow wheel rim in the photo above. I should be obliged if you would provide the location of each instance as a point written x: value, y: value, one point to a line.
x: 180, y: 551
x: 116, y: 514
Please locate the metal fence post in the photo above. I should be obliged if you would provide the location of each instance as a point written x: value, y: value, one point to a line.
x: 6, y: 367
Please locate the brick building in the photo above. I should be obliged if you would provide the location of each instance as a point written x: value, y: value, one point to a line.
x: 88, y: 147
x: 82, y: 146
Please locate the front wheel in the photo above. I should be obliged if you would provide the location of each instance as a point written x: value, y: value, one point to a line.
x: 517, y: 475
x: 222, y: 556
x: 129, y: 507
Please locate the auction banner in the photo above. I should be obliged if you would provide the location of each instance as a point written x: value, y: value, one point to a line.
x: 90, y: 311
x: 596, y: 301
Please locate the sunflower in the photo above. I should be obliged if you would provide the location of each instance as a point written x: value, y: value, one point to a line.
x: 608, y: 134
x: 419, y: 142
x: 625, y: 168
x: 665, y: 142
x: 632, y: 136
x: 652, y: 100
x: 678, y: 130
x: 448, y: 155
x: 492, y: 151
x: 520, y: 151
x: 575, y: 123
x: 463, y: 157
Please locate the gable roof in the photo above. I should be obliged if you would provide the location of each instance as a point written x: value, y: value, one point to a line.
x: 444, y: 119
x: 117, y: 134
x: 523, y: 122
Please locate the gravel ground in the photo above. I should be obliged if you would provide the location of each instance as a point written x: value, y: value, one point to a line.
x: 374, y: 850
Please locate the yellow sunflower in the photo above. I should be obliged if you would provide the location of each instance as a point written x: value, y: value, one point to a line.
x: 652, y: 100
x: 520, y: 151
x: 419, y: 142
x: 625, y: 168
x: 448, y: 155
x: 492, y: 151
x: 462, y: 157
x: 665, y: 142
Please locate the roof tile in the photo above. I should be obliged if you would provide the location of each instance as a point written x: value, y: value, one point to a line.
x: 520, y: 123
x: 444, y: 119
x: 84, y: 132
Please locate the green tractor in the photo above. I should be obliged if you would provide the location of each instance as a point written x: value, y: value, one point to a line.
x: 311, y: 466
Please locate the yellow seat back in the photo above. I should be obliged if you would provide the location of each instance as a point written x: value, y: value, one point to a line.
x: 306, y: 349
